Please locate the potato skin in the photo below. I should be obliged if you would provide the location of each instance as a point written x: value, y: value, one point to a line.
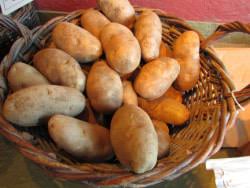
x: 94, y: 21
x: 104, y: 88
x: 165, y: 51
x: 60, y: 68
x: 187, y: 45
x: 129, y: 95
x: 186, y: 51
x: 118, y: 11
x: 173, y: 94
x: 134, y: 139
x: 148, y: 31
x: 166, y: 109
x: 81, y: 139
x: 77, y: 42
x: 156, y: 77
x: 163, y: 138
x: 122, y: 49
x: 27, y: 107
x: 189, y: 74
x: 22, y: 75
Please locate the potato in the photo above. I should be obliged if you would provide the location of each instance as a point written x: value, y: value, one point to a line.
x: 51, y: 45
x: 129, y: 95
x: 189, y: 74
x: 27, y: 107
x: 122, y: 49
x: 60, y: 68
x: 163, y: 138
x: 156, y: 77
x: 104, y: 88
x: 77, y: 42
x: 186, y: 51
x: 187, y: 45
x: 94, y: 21
x: 165, y: 51
x: 174, y: 94
x: 118, y: 11
x: 85, y: 141
x: 166, y: 109
x: 22, y: 75
x: 134, y: 139
x: 148, y: 31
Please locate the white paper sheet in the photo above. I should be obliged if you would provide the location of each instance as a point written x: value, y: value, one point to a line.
x: 9, y: 6
x: 231, y: 172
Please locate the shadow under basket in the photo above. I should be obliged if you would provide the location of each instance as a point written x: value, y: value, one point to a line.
x: 212, y: 103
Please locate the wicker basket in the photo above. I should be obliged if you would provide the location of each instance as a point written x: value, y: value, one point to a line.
x: 9, y: 29
x: 211, y: 102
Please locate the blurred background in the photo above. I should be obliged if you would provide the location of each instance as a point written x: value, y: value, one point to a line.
x: 197, y: 10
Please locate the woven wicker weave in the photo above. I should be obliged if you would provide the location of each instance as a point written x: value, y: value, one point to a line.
x: 211, y: 103
x: 9, y: 26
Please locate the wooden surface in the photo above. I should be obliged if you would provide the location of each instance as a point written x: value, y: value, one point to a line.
x: 201, y: 10
x: 18, y: 172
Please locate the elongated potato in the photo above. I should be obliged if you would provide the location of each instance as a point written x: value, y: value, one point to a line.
x: 163, y: 138
x: 173, y: 94
x: 189, y: 74
x: 165, y: 51
x: 156, y: 77
x: 85, y: 141
x: 129, y: 95
x: 134, y: 139
x: 148, y: 31
x: 122, y: 49
x: 186, y: 51
x: 94, y: 21
x: 118, y: 11
x: 60, y: 68
x: 77, y: 42
x: 187, y: 45
x: 22, y: 75
x: 27, y: 107
x: 166, y: 109
x: 104, y: 88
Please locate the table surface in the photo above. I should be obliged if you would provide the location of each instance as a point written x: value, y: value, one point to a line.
x: 18, y: 172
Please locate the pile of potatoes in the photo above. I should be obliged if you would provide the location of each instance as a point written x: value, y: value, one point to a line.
x: 134, y: 77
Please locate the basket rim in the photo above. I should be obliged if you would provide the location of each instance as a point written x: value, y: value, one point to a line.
x: 60, y: 170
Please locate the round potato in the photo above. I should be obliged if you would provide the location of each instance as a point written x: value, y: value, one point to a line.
x: 94, y: 21
x: 118, y: 11
x: 156, y: 77
x: 129, y: 95
x: 60, y: 68
x: 148, y: 31
x: 165, y: 51
x: 22, y: 75
x: 166, y: 109
x: 85, y: 141
x: 186, y: 51
x: 122, y: 49
x: 134, y: 139
x: 77, y: 42
x: 104, y: 88
x: 163, y: 138
x: 27, y: 107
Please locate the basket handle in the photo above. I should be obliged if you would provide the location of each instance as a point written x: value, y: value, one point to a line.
x: 243, y: 96
x: 15, y: 26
